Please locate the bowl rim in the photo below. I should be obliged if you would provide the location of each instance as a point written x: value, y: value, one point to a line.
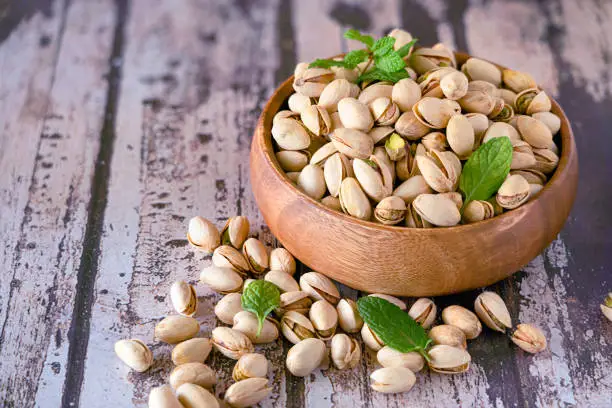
x: 567, y: 148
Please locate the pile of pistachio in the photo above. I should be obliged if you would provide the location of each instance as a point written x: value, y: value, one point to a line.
x: 312, y: 315
x: 394, y: 153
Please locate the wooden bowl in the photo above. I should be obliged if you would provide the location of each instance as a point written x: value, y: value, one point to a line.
x: 407, y: 261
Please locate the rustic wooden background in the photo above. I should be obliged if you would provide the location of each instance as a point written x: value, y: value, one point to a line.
x: 120, y: 119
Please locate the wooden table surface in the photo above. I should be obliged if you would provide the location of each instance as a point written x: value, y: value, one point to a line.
x: 121, y: 119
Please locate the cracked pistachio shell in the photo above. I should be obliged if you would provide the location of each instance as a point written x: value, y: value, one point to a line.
x: 454, y: 85
x: 312, y: 81
x: 135, y: 354
x: 222, y: 280
x: 175, y: 329
x: 324, y: 319
x: 304, y: 357
x: 425, y: 59
x: 433, y: 112
x: 292, y: 160
x: 336, y: 122
x: 298, y: 102
x: 502, y: 112
x: 247, y: 323
x: 194, y: 373
x: 194, y: 396
x: 231, y: 343
x: 297, y: 301
x: 184, y: 298
x: 282, y: 260
x: 387, y: 357
x: 284, y: 281
x: 529, y: 338
x: 414, y: 219
x: 285, y: 114
x: 300, y: 68
x: 517, y: 81
x: 546, y: 160
x: 477, y: 102
x: 448, y: 335
x: 203, y: 234
x: 534, y: 132
x: 455, y: 198
x: 370, y: 338
x: 477, y: 210
x: 407, y: 167
x: 402, y: 37
x: 256, y: 255
x: 552, y: 121
x: 460, y: 136
x: 391, y: 299
x: 335, y: 91
x: 248, y: 392
x: 437, y: 210
x: 296, y: 327
x: 334, y: 171
x: 348, y: 316
x: 480, y: 124
x: 380, y: 134
x: 390, y: 380
x: 464, y: 319
x: 312, y: 181
x: 435, y: 141
x: 370, y: 179
x: 385, y: 167
x: 423, y: 311
x: 353, y: 200
x: 477, y: 69
x: 228, y: 306
x: 163, y: 397
x: 448, y: 51
x: 317, y: 120
x: 374, y: 91
x: 390, y: 210
x: 449, y: 360
x: 483, y: 86
x: 333, y: 203
x: 226, y: 256
x: 194, y: 350
x: 345, y: 351
x: 513, y: 192
x: 235, y: 231
x: 350, y: 75
x: 501, y: 129
x: 353, y: 143
x: 522, y: 156
x: 319, y: 287
x: 384, y: 111
x: 507, y: 95
x: 531, y: 101
x: 409, y: 127
x: 405, y: 94
x: 606, y: 307
x: 492, y: 310
x: 355, y: 115
x: 250, y: 365
x: 289, y: 134
x: 323, y: 153
x: 532, y: 176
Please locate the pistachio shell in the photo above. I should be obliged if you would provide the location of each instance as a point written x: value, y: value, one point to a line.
x: 353, y: 200
x: 354, y: 114
x: 203, y: 234
x: 227, y: 256
x: 546, y: 160
x: 285, y: 114
x: 175, y: 329
x: 348, y: 317
x: 454, y: 85
x: 333, y: 203
x: 477, y: 102
x: 374, y: 91
x: 228, y: 306
x: 370, y: 338
x: 370, y: 179
x: 426, y: 59
x: 135, y: 354
x: 289, y: 134
x: 480, y: 124
x: 283, y: 280
x: 231, y: 343
x: 531, y: 175
x: 335, y: 91
x: 194, y: 396
x: 492, y: 310
x: 391, y: 299
x: 460, y: 135
x: 391, y: 380
x: 441, y: 170
x: 534, y: 132
x: 304, y: 357
x: 552, y: 121
x: 324, y: 319
x: 531, y: 101
x: 345, y: 351
x: 296, y: 327
x: 384, y: 111
x: 464, y: 319
x: 402, y: 37
x: 411, y: 128
x: 448, y: 335
x: 247, y: 323
x: 477, y: 69
x: 312, y: 181
x: 194, y: 373
x: 353, y: 143
x: 529, y: 338
x: 291, y: 160
x: 501, y: 129
x: 388, y: 357
x: 513, y: 192
x: 298, y: 102
x: 477, y: 211
x: 250, y: 365
x: 194, y: 350
x: 423, y: 311
x: 449, y: 360
x: 455, y: 197
x: 319, y: 286
x: 517, y: 81
x: 334, y: 171
x: 163, y: 397
x: 390, y: 210
x: 282, y: 260
x: 317, y: 120
x: 312, y: 81
x: 296, y: 300
x: 534, y: 189
x: 522, y: 156
x: 222, y: 280
x: 433, y: 112
x: 435, y: 141
x: 184, y: 298
x: 321, y: 155
x: 350, y: 75
x: 248, y: 392
x: 380, y: 134
x: 405, y: 94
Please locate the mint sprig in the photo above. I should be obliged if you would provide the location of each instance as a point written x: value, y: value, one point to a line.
x: 353, y: 34
x: 394, y: 327
x: 486, y: 169
x: 260, y: 297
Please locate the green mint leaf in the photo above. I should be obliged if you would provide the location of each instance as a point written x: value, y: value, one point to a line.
x: 260, y: 297
x: 390, y: 62
x: 353, y: 34
x: 383, y: 46
x: 353, y: 58
x: 486, y: 169
x: 379, y: 75
x: 405, y: 49
x: 394, y: 327
x: 326, y: 63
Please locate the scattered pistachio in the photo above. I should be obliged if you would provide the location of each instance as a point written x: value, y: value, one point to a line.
x: 184, y: 298
x: 282, y: 260
x: 195, y: 396
x: 163, y: 397
x: 228, y: 306
x: 324, y: 319
x: 319, y: 286
x: 203, y: 234
x: 529, y: 338
x: 304, y: 357
x: 194, y: 350
x: 348, y: 317
x: 250, y: 365
x: 449, y: 360
x: 388, y: 357
x: 135, y: 354
x: 247, y: 392
x: 194, y: 373
x: 464, y: 319
x: 493, y: 312
x: 448, y: 335
x: 231, y: 343
x: 423, y: 311
x: 175, y: 329
x: 256, y: 255
x: 606, y: 307
x: 392, y: 380
x: 247, y: 323
x: 345, y: 351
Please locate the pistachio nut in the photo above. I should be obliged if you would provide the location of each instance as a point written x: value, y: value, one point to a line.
x: 300, y: 68
x: 194, y: 373
x: 194, y: 350
x: 163, y: 397
x: 335, y: 170
x: 388, y: 357
x: 297, y: 301
x: 460, y: 136
x: 353, y: 143
x: 390, y: 210
x: 546, y: 160
x: 345, y: 351
x: 502, y: 112
x: 282, y: 260
x: 414, y: 219
x: 433, y: 112
x: 529, y: 338
x: 203, y: 234
x: 247, y: 323
x: 454, y: 85
x: 370, y: 179
x: 298, y: 102
x: 348, y: 316
x: 222, y: 280
x: 293, y: 176
x: 285, y: 114
x: 448, y: 335
x: 501, y: 129
x: 522, y: 156
x: 175, y: 329
x: 464, y: 319
x: 380, y: 134
x: 350, y: 75
x: 437, y: 210
x: 531, y: 101
x: 384, y: 111
x: 412, y: 188
x: 492, y: 310
x: 292, y: 160
x: 374, y: 91
x: 513, y: 192
x: 435, y: 141
x: 531, y: 175
x: 455, y: 197
x: 480, y: 124
x: 324, y: 319
x: 552, y: 121
x: 395, y: 147
x: 606, y: 307
x: 507, y: 95
x: 228, y: 306
x: 335, y: 91
x: 477, y: 102
x: 304, y: 357
x: 312, y: 181
x: 354, y: 114
x: 423, y: 311
x: 410, y: 127
x: 296, y: 327
x: 323, y: 153
x: 284, y: 281
x: 534, y: 132
x: 231, y: 343
x: 384, y: 166
x: 250, y: 365
x: 426, y: 59
x: 449, y: 360
x: 483, y: 86
x: 194, y: 396
x: 319, y: 287
x: 534, y: 189
x: 335, y: 120
x: 256, y: 255
x: 226, y: 256
x: 289, y: 134
x: 402, y: 37
x: 440, y: 47
x: 135, y: 354
x: 477, y: 210
x: 497, y: 209
x: 405, y: 94
x: 517, y: 81
x: 370, y: 338
x: 333, y: 203
x: 407, y: 167
x: 391, y: 299
x: 441, y: 170
x: 184, y: 298
x: 317, y: 120
x: 477, y: 69
x: 353, y: 200
x: 391, y: 380
x: 247, y: 392
x: 312, y: 81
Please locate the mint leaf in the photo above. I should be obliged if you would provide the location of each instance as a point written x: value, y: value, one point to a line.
x: 383, y: 46
x: 260, y: 297
x: 394, y: 327
x: 390, y: 62
x: 353, y: 58
x: 379, y: 75
x: 353, y: 34
x: 486, y: 169
x: 405, y: 49
x: 326, y: 63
